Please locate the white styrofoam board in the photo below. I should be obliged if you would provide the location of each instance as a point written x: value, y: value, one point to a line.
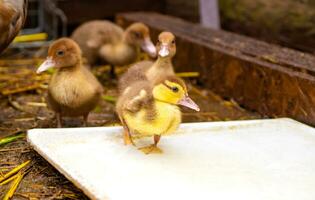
x: 256, y: 159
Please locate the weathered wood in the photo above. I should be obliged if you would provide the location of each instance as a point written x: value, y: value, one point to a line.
x: 290, y: 22
x: 266, y: 78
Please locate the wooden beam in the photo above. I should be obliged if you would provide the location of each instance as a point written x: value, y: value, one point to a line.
x: 274, y: 81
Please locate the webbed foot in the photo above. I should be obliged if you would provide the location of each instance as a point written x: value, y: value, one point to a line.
x: 151, y: 149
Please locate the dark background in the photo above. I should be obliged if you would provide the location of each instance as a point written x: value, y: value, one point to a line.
x: 287, y: 22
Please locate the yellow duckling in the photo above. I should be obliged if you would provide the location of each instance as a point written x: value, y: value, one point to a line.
x: 153, y: 110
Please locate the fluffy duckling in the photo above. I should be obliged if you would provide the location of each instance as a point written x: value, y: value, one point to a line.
x: 151, y: 110
x: 166, y: 48
x: 12, y: 18
x: 109, y: 42
x: 73, y: 90
x: 153, y: 71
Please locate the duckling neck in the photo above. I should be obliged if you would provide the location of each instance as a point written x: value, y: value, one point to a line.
x: 162, y: 67
x: 161, y: 101
x: 163, y: 62
x: 70, y: 69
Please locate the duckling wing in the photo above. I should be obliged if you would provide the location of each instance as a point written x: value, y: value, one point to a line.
x: 92, y: 80
x: 12, y: 18
x: 136, y: 97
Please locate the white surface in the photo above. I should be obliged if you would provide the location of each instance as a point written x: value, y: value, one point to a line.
x: 247, y: 160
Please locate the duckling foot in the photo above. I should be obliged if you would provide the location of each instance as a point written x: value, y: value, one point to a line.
x: 59, y: 118
x: 112, y: 72
x: 151, y: 149
x: 85, y: 120
x: 127, y: 138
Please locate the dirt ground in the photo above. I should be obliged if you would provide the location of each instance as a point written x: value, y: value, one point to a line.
x: 23, y: 107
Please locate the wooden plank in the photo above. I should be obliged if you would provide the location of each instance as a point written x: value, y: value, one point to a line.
x: 271, y: 80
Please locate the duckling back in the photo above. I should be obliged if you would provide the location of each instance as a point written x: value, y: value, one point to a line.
x: 134, y: 74
x: 93, y: 34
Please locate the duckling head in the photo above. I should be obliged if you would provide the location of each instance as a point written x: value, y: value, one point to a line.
x: 62, y: 53
x: 173, y: 90
x: 166, y: 46
x: 138, y: 34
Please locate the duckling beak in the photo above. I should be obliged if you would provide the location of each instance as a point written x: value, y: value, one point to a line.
x: 189, y: 103
x: 47, y: 64
x: 164, y: 51
x: 148, y: 47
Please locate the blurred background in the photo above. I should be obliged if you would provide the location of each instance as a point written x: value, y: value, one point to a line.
x: 289, y: 23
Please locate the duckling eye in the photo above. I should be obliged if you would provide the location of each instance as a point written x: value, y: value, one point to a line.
x: 173, y: 41
x: 60, y: 53
x: 174, y: 89
x: 137, y: 34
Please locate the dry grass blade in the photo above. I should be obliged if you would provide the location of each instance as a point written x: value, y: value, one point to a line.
x: 198, y: 92
x: 19, y: 62
x: 14, y: 186
x: 25, y: 119
x: 70, y: 196
x: 11, y: 149
x: 21, y: 89
x: 36, y: 104
x: 9, y: 179
x: 188, y: 74
x: 9, y: 139
x: 14, y: 171
x: 31, y: 37
x: 108, y: 98
x: 16, y: 105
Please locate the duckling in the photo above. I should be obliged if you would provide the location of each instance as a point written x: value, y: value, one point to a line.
x: 166, y: 47
x: 109, y: 42
x: 73, y: 90
x: 12, y: 18
x: 152, y: 110
x: 153, y: 71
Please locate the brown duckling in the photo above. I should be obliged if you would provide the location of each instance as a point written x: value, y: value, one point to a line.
x: 12, y: 18
x: 111, y: 44
x: 73, y: 90
x: 153, y: 71
x: 152, y: 110
x: 166, y: 48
